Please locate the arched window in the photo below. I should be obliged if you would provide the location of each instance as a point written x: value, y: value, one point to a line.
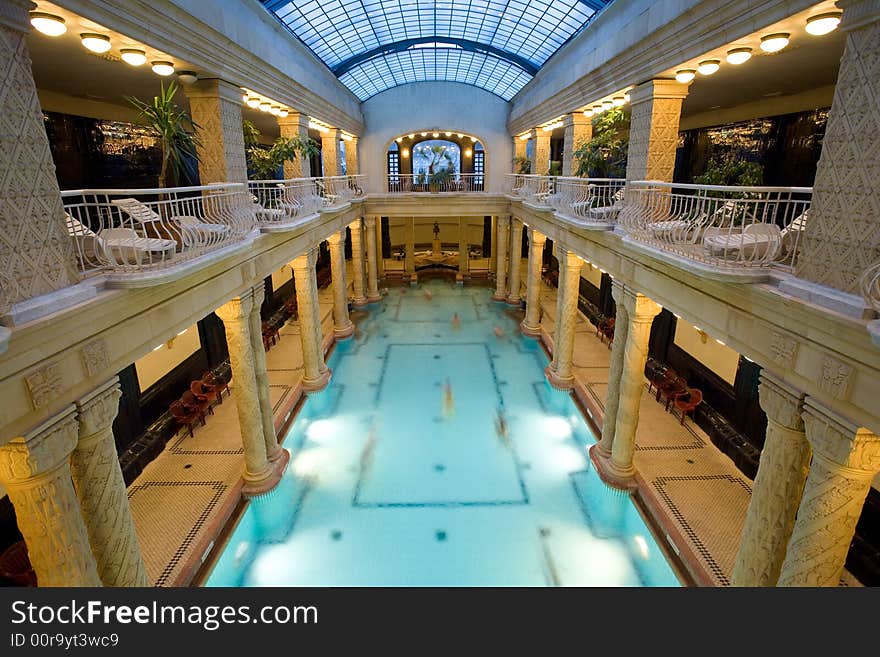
x: 433, y: 156
x: 393, y: 163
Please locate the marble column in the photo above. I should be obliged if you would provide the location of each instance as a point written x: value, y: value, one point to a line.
x: 516, y: 230
x: 463, y: 271
x: 541, y: 153
x: 236, y: 320
x: 100, y: 487
x: 315, y: 372
x: 840, y: 240
x: 267, y: 414
x: 612, y: 400
x: 36, y: 253
x: 653, y: 132
x: 410, y: 257
x: 357, y: 263
x: 295, y: 125
x: 493, y: 237
x: 531, y: 325
x: 380, y: 261
x: 846, y: 457
x: 215, y: 105
x: 562, y: 377
x: 640, y: 311
x: 351, y: 157
x: 503, y: 226
x: 342, y: 324
x: 779, y: 484
x: 331, y: 153
x: 578, y: 130
x: 372, y: 266
x: 520, y: 147
x: 559, y: 253
x: 35, y: 471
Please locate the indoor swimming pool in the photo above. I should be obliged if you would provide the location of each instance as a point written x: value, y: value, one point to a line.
x: 439, y: 456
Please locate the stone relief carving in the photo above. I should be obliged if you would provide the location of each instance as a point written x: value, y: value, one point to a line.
x: 836, y: 377
x: 95, y: 358
x: 44, y: 384
x: 783, y: 349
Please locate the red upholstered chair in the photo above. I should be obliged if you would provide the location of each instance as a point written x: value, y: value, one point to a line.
x: 210, y: 380
x: 687, y: 401
x: 205, y: 393
x: 191, y: 402
x: 184, y: 416
x: 670, y: 387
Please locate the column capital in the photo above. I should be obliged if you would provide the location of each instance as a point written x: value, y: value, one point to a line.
x: 97, y: 410
x: 575, y: 119
x: 40, y: 450
x: 658, y: 88
x: 537, y: 237
x: 639, y: 307
x: 258, y: 294
x: 354, y: 225
x: 841, y: 441
x: 213, y: 88
x: 574, y: 260
x: 618, y: 290
x: 238, y: 308
x: 370, y: 221
x: 336, y: 237
x: 781, y: 402
x: 294, y: 119
x: 858, y: 13
x: 533, y: 133
x: 14, y: 14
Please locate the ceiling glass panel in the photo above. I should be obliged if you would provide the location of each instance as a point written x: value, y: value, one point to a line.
x: 362, y: 38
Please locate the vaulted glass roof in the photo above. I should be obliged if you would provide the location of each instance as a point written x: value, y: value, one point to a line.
x: 376, y: 44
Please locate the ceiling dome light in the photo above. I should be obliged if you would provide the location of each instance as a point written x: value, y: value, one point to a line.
x: 49, y: 24
x: 460, y: 136
x: 253, y: 101
x: 598, y: 109
x: 448, y: 134
x: 163, y: 68
x: 685, y: 75
x: 618, y: 101
x: 133, y: 57
x: 607, y: 104
x: 412, y: 136
x: 283, y: 112
x: 188, y: 77
x: 739, y: 56
x: 275, y: 110
x: 708, y: 67
x: 823, y: 23
x: 774, y: 42
x: 405, y: 152
x: 435, y: 135
x: 399, y: 139
x: 468, y: 152
x: 626, y: 97
x: 265, y: 106
x: 588, y: 112
x: 95, y: 42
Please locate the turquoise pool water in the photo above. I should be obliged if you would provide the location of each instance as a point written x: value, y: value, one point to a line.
x: 391, y: 484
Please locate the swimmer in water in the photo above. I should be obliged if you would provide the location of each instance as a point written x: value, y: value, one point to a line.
x: 429, y: 295
x: 448, y: 402
x: 369, y: 448
x: 501, y: 428
x: 499, y: 332
x: 456, y: 321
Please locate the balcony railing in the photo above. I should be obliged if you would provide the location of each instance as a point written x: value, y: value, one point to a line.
x: 139, y: 230
x: 338, y: 190
x: 589, y: 202
x: 532, y: 188
x: 279, y: 203
x: 726, y: 227
x: 461, y: 182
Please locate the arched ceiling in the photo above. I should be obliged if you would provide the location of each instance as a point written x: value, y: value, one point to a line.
x: 372, y: 45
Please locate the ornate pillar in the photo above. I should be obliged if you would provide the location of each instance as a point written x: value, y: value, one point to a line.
x: 653, y: 132
x: 100, y: 487
x: 295, y: 125
x: 520, y: 147
x: 235, y: 314
x: 531, y: 325
x: 342, y: 325
x: 215, y: 105
x: 541, y: 152
x: 315, y: 373
x: 372, y: 267
x: 36, y: 253
x: 578, y: 130
x: 267, y: 414
x: 331, y: 153
x: 35, y: 471
x: 776, y: 494
x: 840, y: 240
x: 846, y: 458
x: 562, y: 377
x: 463, y: 271
x: 357, y: 262
x: 410, y: 258
x: 503, y: 224
x: 559, y: 252
x: 640, y: 312
x: 351, y: 156
x: 516, y: 229
x: 621, y: 327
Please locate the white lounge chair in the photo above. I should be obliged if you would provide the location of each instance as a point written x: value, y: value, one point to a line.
x: 193, y: 231
x: 326, y: 197
x: 607, y: 213
x: 115, y: 246
x: 753, y: 242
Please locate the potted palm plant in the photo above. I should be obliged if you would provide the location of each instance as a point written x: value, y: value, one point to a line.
x: 262, y: 162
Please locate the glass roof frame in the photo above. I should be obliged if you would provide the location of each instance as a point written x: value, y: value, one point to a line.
x: 370, y: 44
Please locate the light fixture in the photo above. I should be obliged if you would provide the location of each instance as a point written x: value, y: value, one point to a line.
x: 265, y: 106
x: 424, y: 134
x: 685, y: 75
x: 435, y: 135
x: 49, y: 24
x: 588, y: 112
x: 547, y: 128
x: 274, y: 110
x: 448, y: 134
x: 399, y: 139
x: 244, y: 97
x: 626, y: 97
x: 617, y: 101
x: 460, y: 136
x: 163, y: 68
x: 607, y: 104
x: 524, y: 137
x: 708, y: 67
x: 187, y: 77
x: 468, y: 152
x: 346, y: 137
x: 472, y: 138
x: 774, y: 42
x: 182, y: 332
x: 739, y: 56
x: 405, y: 152
x: 283, y: 112
x: 133, y: 57
x: 253, y: 101
x: 317, y: 126
x: 598, y: 109
x: 720, y: 342
x: 95, y: 42
x: 823, y: 23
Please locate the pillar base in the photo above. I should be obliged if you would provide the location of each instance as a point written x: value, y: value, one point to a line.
x: 609, y: 473
x: 531, y: 331
x: 499, y: 296
x: 279, y: 465
x: 359, y: 301
x: 459, y: 279
x: 315, y: 385
x: 373, y: 298
x: 413, y: 280
x: 560, y: 383
x: 343, y: 332
x: 513, y: 301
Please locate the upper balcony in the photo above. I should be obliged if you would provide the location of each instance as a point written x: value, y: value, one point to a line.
x: 283, y: 204
x: 453, y: 183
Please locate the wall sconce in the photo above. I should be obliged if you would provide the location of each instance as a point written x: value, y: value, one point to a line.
x: 704, y: 337
x: 405, y: 152
x: 468, y: 152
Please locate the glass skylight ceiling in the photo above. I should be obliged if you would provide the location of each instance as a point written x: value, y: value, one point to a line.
x: 376, y: 44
